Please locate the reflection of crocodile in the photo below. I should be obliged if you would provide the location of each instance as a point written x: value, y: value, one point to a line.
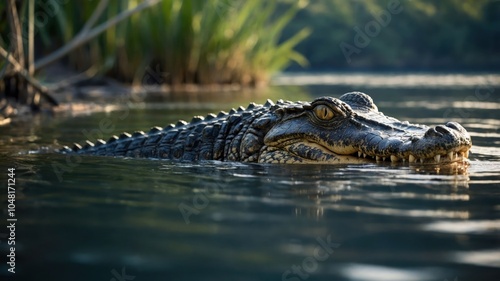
x: 328, y: 130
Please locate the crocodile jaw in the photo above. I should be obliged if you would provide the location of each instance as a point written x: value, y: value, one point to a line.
x: 305, y: 152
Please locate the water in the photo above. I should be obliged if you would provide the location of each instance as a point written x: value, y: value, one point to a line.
x: 140, y: 219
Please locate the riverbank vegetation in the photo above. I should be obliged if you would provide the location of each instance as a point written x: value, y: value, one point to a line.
x: 174, y: 43
x: 185, y: 41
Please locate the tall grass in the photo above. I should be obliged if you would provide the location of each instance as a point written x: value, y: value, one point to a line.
x: 189, y: 41
x: 17, y: 46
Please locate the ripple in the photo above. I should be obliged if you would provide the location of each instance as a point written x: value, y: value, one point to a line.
x: 362, y: 272
x: 402, y: 212
x: 462, y: 227
x: 484, y: 258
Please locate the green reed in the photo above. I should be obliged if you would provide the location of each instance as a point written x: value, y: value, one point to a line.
x: 187, y: 41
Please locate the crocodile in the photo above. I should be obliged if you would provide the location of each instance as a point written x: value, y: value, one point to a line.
x: 349, y: 129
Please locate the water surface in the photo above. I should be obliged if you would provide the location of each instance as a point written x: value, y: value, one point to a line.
x: 99, y: 218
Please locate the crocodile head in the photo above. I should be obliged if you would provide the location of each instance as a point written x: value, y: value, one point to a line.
x: 352, y: 130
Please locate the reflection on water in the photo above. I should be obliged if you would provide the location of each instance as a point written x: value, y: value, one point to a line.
x: 111, y: 218
x: 390, y: 80
x: 478, y: 226
x: 481, y: 258
x: 372, y: 272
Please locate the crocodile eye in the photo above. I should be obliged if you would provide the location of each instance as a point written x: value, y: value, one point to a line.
x: 323, y: 112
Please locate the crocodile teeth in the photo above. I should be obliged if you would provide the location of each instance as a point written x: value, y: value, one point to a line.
x: 411, y: 158
x: 437, y: 158
x: 377, y: 158
x: 364, y: 155
x: 421, y: 160
x: 383, y: 158
x: 466, y: 154
x: 451, y: 155
x: 394, y: 158
x: 359, y: 153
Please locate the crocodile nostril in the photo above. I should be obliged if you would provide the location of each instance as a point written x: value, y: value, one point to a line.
x: 456, y: 126
x: 432, y: 133
x: 443, y: 130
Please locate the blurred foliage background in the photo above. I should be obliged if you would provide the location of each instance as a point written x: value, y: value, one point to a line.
x: 244, y: 42
x: 448, y: 35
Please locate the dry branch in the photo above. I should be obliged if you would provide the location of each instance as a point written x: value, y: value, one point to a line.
x: 18, y: 69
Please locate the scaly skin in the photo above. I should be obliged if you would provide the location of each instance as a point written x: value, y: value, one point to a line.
x: 328, y: 130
